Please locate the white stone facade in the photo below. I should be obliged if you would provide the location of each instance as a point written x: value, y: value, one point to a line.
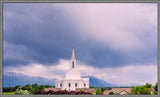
x: 72, y: 79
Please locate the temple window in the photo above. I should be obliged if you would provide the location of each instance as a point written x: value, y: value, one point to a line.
x: 75, y: 84
x: 61, y: 85
x: 69, y: 84
x: 72, y: 64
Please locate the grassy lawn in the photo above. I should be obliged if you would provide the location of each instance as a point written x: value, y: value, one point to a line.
x: 8, y: 93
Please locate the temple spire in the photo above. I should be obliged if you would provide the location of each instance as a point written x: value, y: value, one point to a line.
x: 73, y: 56
x: 73, y: 59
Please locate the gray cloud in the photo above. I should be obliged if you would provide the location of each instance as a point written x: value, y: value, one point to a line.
x: 44, y: 33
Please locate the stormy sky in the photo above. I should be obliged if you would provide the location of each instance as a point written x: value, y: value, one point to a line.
x: 112, y: 41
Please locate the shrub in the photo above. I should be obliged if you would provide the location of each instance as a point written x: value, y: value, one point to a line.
x: 62, y: 93
x: 155, y: 93
x: 111, y: 93
x: 19, y: 91
x: 65, y: 89
x: 93, y: 93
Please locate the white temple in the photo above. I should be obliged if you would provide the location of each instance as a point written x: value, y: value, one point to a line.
x: 72, y: 79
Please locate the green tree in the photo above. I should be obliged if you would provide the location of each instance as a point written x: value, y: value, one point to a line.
x: 141, y: 89
x: 103, y: 89
x: 91, y: 87
x: 35, y: 87
x: 133, y: 91
x: 27, y: 87
x: 146, y: 91
x: 48, y: 86
x: 156, y: 87
x: 8, y: 89
x: 148, y: 85
x: 41, y: 88
x: 98, y: 91
x: 16, y: 87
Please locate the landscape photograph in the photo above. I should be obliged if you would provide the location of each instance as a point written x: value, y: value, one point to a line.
x: 80, y: 49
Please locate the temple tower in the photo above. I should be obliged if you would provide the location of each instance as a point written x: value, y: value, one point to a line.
x: 73, y: 73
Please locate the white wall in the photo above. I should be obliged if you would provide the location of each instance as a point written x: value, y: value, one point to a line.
x: 65, y: 83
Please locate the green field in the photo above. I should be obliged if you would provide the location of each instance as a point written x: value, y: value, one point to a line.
x: 8, y: 93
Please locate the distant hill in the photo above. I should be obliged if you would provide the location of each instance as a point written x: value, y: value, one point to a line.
x: 93, y: 81
x: 12, y: 79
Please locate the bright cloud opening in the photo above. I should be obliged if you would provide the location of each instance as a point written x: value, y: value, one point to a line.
x: 127, y: 75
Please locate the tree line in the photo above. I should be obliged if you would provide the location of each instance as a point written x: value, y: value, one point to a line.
x: 145, y: 89
x: 27, y: 88
x: 35, y: 88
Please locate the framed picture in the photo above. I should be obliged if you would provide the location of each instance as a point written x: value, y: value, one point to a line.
x: 79, y: 48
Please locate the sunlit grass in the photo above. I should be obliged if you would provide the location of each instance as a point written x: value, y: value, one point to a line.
x: 8, y: 93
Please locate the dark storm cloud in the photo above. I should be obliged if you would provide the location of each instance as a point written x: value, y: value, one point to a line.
x: 46, y: 40
x: 43, y: 34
